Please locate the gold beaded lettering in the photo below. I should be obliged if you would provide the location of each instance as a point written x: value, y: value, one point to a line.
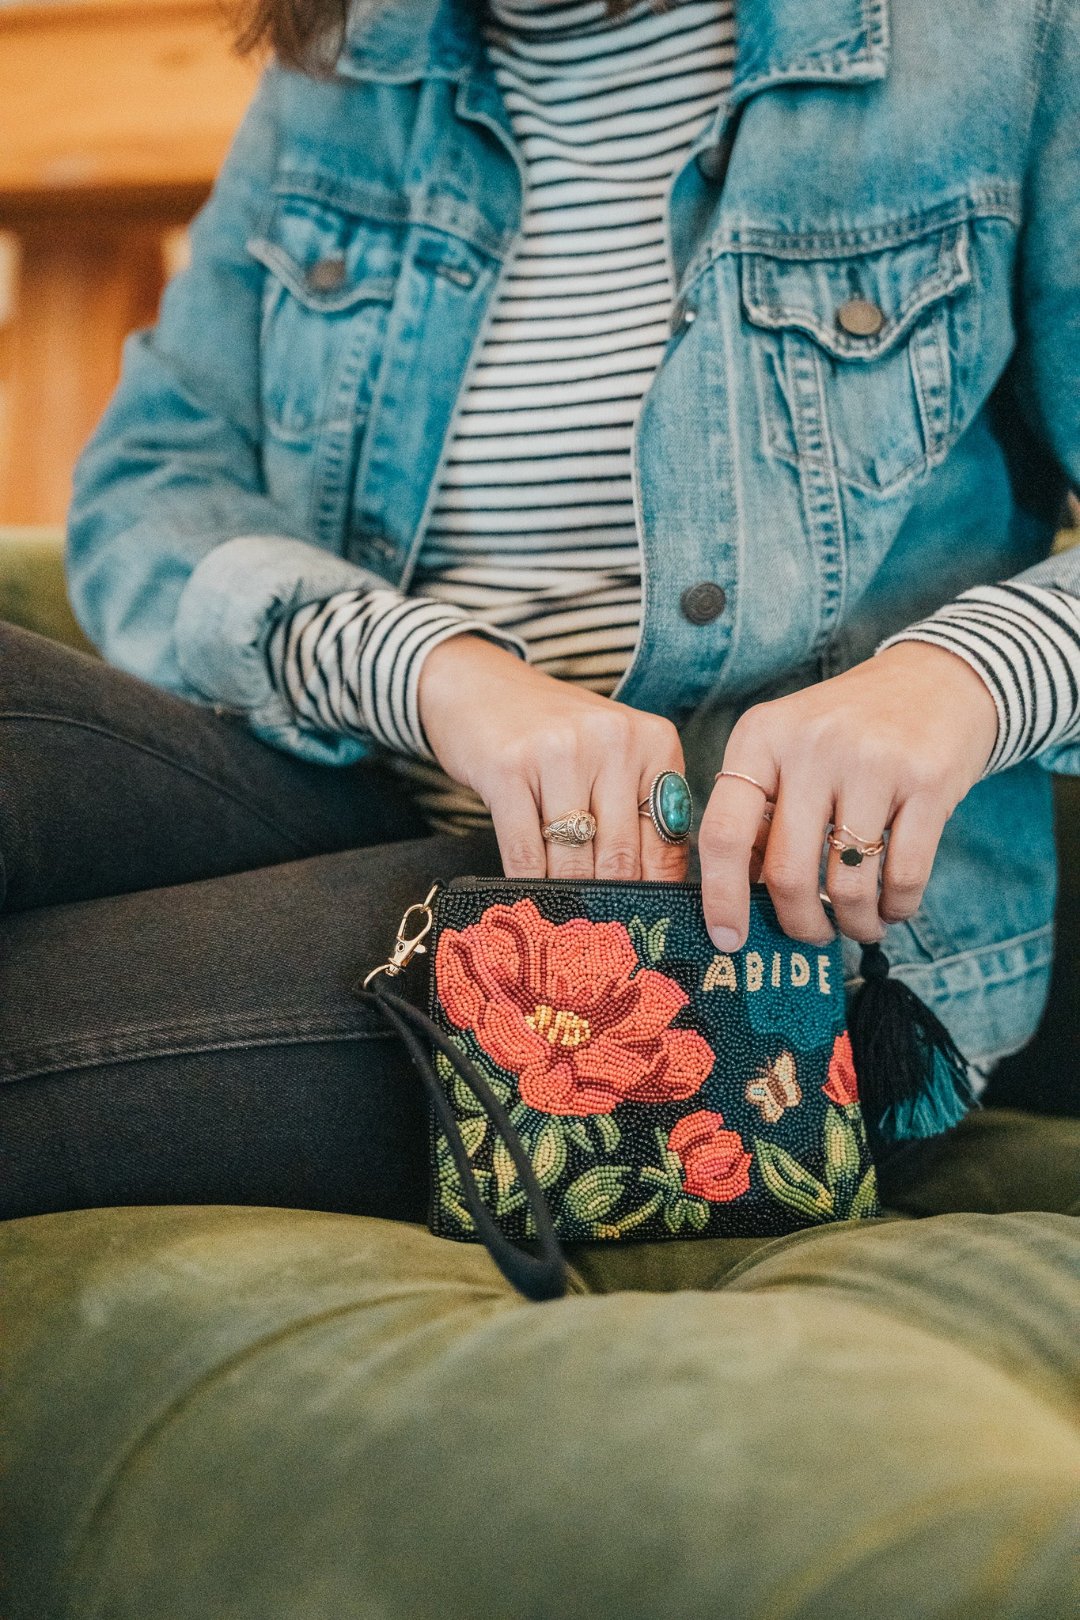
x: 720, y: 973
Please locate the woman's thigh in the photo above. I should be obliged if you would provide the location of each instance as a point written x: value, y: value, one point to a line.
x: 201, y: 1043
x: 108, y: 785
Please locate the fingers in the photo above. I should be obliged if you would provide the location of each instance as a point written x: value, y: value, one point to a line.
x: 761, y: 840
x: 661, y: 862
x: 617, y: 845
x: 516, y: 819
x: 603, y: 762
x: 729, y: 828
x: 793, y: 857
x: 859, y: 816
x: 566, y: 785
x: 909, y: 857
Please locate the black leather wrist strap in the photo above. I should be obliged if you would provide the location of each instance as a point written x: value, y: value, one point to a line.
x: 540, y: 1276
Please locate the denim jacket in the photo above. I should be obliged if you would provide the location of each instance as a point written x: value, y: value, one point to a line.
x: 279, y: 435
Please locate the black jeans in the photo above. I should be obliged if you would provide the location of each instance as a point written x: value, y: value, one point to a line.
x: 185, y: 912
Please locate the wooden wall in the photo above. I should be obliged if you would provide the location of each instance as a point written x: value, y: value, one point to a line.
x: 114, y: 117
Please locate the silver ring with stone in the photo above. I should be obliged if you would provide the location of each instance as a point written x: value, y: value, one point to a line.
x: 669, y: 806
x: 579, y: 827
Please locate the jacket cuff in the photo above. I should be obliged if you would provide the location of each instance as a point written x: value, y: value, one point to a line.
x: 226, y: 612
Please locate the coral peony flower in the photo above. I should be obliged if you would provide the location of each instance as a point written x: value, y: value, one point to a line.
x: 568, y: 1009
x: 715, y: 1162
x: 842, y: 1086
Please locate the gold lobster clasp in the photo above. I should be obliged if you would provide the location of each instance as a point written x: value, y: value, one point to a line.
x: 408, y: 944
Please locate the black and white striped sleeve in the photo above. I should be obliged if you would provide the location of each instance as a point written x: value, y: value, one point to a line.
x: 1024, y: 640
x: 351, y: 664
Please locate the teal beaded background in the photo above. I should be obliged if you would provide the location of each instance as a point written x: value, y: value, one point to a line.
x: 661, y: 1088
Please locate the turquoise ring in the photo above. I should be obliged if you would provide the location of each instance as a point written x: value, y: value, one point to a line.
x: 669, y: 806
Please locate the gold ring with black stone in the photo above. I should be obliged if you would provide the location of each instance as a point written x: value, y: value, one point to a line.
x: 853, y: 854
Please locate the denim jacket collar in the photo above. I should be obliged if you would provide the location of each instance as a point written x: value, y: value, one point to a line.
x: 397, y: 41
x: 834, y: 41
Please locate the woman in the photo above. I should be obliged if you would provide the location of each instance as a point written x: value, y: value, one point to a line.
x: 557, y: 397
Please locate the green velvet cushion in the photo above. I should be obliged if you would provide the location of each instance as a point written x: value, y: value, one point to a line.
x: 247, y: 1414
x: 32, y: 590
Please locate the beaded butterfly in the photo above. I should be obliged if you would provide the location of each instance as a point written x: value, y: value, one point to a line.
x: 776, y: 1089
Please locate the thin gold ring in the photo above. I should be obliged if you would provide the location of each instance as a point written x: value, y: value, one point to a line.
x: 742, y: 776
x: 844, y: 828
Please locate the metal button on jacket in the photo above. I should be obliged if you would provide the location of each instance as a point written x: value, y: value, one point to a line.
x: 860, y: 317
x: 703, y: 602
x: 327, y: 275
x: 711, y: 162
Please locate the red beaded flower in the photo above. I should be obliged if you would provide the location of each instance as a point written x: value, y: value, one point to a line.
x: 842, y: 1086
x: 569, y: 1010
x: 715, y: 1162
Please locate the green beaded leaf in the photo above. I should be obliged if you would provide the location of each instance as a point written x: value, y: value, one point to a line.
x: 462, y: 1097
x: 636, y: 1217
x: 457, y: 1212
x: 675, y: 1214
x: 462, y: 1094
x: 575, y: 1130
x: 649, y: 941
x: 503, y: 1166
x: 865, y: 1202
x: 842, y: 1156
x: 697, y: 1213
x: 549, y: 1155
x: 669, y: 1172
x: 595, y: 1193
x: 450, y: 1192
x: 473, y: 1132
x: 791, y: 1183
x: 609, y: 1133
x: 506, y: 1202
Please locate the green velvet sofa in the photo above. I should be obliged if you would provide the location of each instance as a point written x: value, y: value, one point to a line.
x: 256, y: 1414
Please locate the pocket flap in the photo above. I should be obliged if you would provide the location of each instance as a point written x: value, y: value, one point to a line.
x: 328, y: 259
x: 894, y: 285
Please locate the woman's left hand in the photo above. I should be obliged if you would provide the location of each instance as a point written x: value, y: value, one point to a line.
x: 893, y: 743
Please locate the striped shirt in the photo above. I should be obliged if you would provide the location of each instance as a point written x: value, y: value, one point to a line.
x: 532, y: 538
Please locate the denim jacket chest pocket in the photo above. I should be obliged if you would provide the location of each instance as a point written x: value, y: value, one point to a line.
x: 329, y: 286
x: 854, y: 353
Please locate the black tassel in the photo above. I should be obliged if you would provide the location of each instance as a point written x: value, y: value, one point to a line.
x: 913, y: 1078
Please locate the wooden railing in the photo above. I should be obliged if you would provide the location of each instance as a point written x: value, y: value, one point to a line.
x: 114, y: 117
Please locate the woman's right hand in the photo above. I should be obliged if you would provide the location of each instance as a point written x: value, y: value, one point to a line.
x: 535, y: 748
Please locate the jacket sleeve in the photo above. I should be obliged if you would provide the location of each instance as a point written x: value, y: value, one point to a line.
x: 1022, y: 634
x: 178, y: 563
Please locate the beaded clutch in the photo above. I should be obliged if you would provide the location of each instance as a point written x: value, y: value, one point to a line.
x: 599, y: 1071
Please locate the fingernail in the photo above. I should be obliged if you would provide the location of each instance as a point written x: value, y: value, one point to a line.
x: 725, y: 939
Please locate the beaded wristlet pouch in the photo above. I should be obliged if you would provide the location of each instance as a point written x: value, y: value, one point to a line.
x: 599, y: 1071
